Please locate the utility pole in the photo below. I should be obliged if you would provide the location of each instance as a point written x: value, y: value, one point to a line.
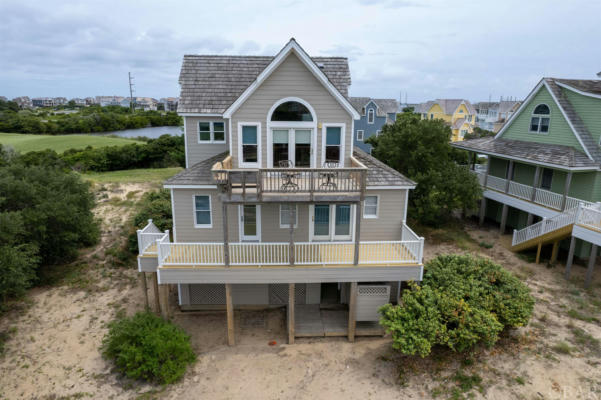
x: 131, y: 92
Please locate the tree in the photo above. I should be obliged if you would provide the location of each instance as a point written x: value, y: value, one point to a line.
x: 462, y: 301
x: 478, y: 133
x: 420, y: 150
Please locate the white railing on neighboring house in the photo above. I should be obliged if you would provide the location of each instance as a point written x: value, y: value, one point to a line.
x: 590, y: 217
x: 587, y: 215
x: 542, y: 197
x: 409, y: 250
x: 147, y: 237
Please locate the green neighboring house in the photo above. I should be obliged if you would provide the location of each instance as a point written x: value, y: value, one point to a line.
x: 543, y: 177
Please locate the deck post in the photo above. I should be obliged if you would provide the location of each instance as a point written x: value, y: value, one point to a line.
x: 155, y: 287
x: 292, y: 217
x: 555, y: 251
x: 352, y: 312
x: 509, y: 175
x: 570, y: 257
x: 164, y: 299
x: 530, y: 219
x: 291, y: 320
x: 535, y: 184
x: 145, y: 289
x: 504, y: 218
x: 357, y: 232
x: 591, y: 266
x: 538, y: 250
x: 566, y: 191
x: 229, y: 306
x: 226, y: 246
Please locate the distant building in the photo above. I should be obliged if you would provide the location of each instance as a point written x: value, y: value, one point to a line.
x: 104, y: 101
x: 375, y: 113
x: 2, y: 98
x: 59, y: 101
x: 146, y: 103
x: 459, y: 114
x: 79, y: 101
x: 23, y: 101
x: 492, y: 115
x: 169, y: 103
x: 90, y: 101
x: 42, y: 102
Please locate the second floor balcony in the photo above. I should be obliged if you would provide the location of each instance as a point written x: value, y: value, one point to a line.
x: 329, y: 183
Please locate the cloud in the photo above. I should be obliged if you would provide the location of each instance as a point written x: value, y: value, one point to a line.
x: 391, y: 3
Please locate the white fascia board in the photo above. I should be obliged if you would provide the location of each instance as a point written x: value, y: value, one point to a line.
x: 292, y: 46
x: 191, y: 114
x: 573, y: 89
x: 190, y: 186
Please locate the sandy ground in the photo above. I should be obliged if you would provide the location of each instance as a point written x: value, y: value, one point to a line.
x: 53, y: 349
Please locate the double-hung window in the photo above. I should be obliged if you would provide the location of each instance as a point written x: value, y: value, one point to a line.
x: 249, y: 144
x: 202, y: 212
x: 288, y: 213
x: 333, y: 144
x: 360, y: 135
x: 370, y: 116
x: 211, y: 132
x: 370, y: 207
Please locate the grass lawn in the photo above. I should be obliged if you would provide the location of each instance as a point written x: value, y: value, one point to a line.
x: 24, y: 142
x: 152, y: 175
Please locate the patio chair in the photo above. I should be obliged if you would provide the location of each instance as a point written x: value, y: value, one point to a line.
x: 288, y: 176
x: 327, y: 177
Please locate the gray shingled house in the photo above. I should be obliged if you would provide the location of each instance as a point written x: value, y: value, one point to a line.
x: 276, y: 208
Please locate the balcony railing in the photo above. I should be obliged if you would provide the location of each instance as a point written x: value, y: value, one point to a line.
x: 147, y: 238
x: 303, y: 183
x: 409, y: 251
x: 542, y: 197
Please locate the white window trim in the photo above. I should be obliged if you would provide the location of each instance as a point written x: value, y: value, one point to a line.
x: 371, y: 216
x: 286, y: 226
x: 331, y: 237
x: 342, y: 140
x: 242, y: 164
x: 196, y: 224
x: 378, y: 132
x: 539, y: 116
x: 371, y: 114
x: 360, y: 137
x: 211, y: 133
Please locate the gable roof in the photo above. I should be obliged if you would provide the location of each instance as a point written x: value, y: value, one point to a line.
x: 567, y: 109
x: 385, y: 106
x: 534, y: 152
x: 211, y: 84
x: 449, y: 106
x: 587, y: 86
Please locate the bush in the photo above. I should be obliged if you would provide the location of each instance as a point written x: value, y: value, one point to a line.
x: 153, y: 205
x: 462, y: 301
x: 147, y: 347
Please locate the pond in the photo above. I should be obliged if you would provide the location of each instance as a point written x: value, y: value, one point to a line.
x: 152, y: 132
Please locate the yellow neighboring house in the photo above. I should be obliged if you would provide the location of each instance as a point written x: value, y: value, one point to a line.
x: 459, y: 114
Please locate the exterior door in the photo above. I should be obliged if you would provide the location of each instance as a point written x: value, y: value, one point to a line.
x: 342, y: 222
x: 295, y: 145
x: 321, y: 222
x: 332, y: 222
x: 250, y: 222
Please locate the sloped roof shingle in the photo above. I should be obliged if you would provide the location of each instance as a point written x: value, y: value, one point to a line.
x: 385, y: 106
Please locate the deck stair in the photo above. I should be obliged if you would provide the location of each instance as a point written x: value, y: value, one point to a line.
x: 554, y: 229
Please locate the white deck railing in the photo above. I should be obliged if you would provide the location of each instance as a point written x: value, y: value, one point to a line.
x: 147, y: 237
x: 407, y: 251
x: 545, y: 226
x: 542, y: 197
x: 590, y: 217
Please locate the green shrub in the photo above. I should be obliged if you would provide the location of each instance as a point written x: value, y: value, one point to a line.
x: 147, y: 347
x: 462, y: 301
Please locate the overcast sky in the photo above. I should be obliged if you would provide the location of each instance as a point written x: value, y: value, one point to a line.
x: 428, y: 49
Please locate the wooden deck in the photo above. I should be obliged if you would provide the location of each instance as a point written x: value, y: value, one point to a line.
x: 312, y: 321
x: 270, y: 255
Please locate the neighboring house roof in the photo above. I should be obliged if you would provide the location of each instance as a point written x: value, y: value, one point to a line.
x: 211, y: 83
x: 423, y: 107
x: 508, y: 105
x: 385, y: 106
x: 552, y: 154
x: 378, y: 174
x: 458, y: 123
x: 584, y: 85
x: 449, y: 106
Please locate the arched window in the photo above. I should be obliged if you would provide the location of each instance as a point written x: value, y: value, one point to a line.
x: 539, y: 123
x: 291, y: 111
x: 370, y: 116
